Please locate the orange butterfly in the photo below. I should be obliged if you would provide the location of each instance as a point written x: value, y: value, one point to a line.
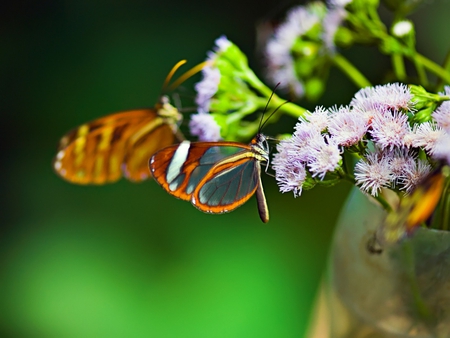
x: 216, y: 177
x: 103, y: 150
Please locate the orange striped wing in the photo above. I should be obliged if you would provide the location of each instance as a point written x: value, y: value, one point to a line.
x: 113, y: 146
x: 216, y: 177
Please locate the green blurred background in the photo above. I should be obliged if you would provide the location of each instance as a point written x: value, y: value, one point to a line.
x: 128, y: 260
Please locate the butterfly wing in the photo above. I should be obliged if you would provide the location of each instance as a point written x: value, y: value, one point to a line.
x: 180, y: 168
x: 216, y: 177
x: 413, y: 209
x: 228, y: 184
x: 96, y: 152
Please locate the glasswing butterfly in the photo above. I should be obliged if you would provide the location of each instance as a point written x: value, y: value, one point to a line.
x: 120, y: 144
x: 216, y: 177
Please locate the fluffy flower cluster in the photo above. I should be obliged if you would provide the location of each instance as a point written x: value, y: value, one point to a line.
x: 377, y: 127
x: 203, y: 124
x: 298, y: 51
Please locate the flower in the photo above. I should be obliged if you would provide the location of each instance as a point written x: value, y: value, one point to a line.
x: 332, y: 21
x: 393, y: 96
x: 290, y: 172
x: 426, y: 135
x: 400, y: 160
x: 204, y: 127
x: 206, y: 88
x: 389, y: 129
x: 325, y: 156
x: 402, y: 28
x: 373, y: 173
x: 442, y: 148
x: 318, y: 119
x: 414, y: 174
x: 347, y: 127
x: 442, y: 114
x: 279, y: 52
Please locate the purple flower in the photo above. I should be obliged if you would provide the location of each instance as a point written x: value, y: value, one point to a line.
x: 373, y: 173
x: 325, y: 156
x: 318, y: 119
x: 442, y: 114
x: 205, y: 127
x: 414, y: 174
x: 426, y: 135
x: 290, y: 172
x: 389, y: 129
x: 347, y: 127
x: 442, y: 148
x: 280, y: 62
x: 206, y: 88
x: 393, y: 96
x: 400, y: 159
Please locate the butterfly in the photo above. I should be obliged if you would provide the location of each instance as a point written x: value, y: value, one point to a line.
x: 413, y: 210
x: 120, y: 144
x: 216, y: 177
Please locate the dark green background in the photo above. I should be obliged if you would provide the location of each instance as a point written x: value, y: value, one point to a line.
x: 128, y: 260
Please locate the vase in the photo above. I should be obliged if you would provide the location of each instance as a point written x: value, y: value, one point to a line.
x: 402, y: 290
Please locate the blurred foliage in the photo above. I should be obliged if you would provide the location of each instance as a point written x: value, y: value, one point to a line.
x: 128, y: 260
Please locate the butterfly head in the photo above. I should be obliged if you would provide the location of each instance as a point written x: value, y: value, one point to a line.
x: 169, y: 113
x: 260, y: 147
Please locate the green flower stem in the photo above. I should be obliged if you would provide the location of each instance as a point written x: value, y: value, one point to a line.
x: 433, y: 67
x: 446, y: 66
x: 352, y: 73
x: 288, y: 108
x: 421, y: 73
x: 399, y: 66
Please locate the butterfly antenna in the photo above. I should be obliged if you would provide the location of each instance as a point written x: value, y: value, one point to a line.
x: 194, y: 70
x: 281, y: 105
x: 261, y: 124
x: 170, y: 75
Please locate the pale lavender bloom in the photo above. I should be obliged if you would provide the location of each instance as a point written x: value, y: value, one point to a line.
x: 325, y: 156
x: 399, y: 160
x: 426, y: 135
x: 280, y: 62
x: 338, y: 3
x: 305, y: 134
x: 347, y: 127
x: 442, y: 148
x: 389, y: 129
x: 205, y: 127
x: 318, y: 119
x: 373, y: 173
x: 206, y: 88
x: 222, y: 44
x: 414, y: 174
x: 393, y: 96
x: 442, y: 116
x: 333, y: 19
x: 290, y: 173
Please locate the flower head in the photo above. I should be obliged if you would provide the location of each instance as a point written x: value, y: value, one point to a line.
x: 325, y: 156
x: 414, y: 174
x: 204, y: 127
x: 373, y: 173
x: 290, y: 172
x: 426, y: 135
x: 389, y: 129
x: 393, y: 97
x: 346, y: 126
x: 289, y: 53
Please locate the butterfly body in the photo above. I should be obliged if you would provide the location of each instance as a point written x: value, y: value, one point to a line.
x: 216, y: 177
x: 116, y: 145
